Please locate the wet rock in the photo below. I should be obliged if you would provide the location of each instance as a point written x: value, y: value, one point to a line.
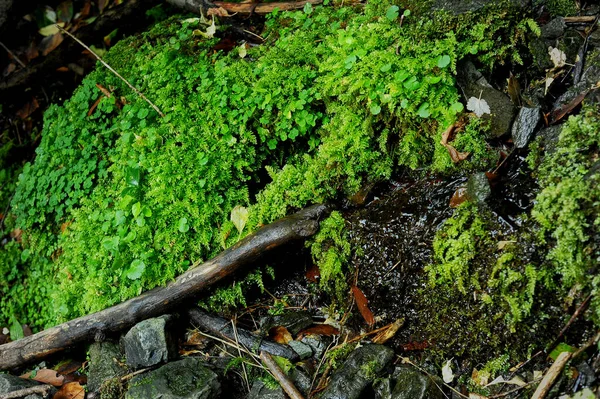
x: 261, y: 391
x: 524, y: 126
x: 478, y: 188
x: 10, y: 383
x: 553, y: 29
x: 474, y: 84
x: 303, y: 350
x: 462, y: 6
x: 103, y: 364
x: 590, y: 76
x: 362, y: 367
x: 149, y: 342
x: 186, y: 379
x: 549, y: 138
x: 383, y: 389
x: 301, y: 380
x: 317, y: 343
x: 412, y: 384
x: 294, y: 321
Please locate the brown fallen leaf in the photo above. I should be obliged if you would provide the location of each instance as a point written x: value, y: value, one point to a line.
x: 389, y: 332
x: 313, y: 274
x: 459, y: 196
x: 362, y: 304
x: 68, y: 367
x: 28, y: 109
x: 194, y: 338
x: 32, y: 52
x: 16, y: 234
x: 415, y: 346
x: 45, y: 376
x: 455, y: 155
x: 49, y: 43
x: 559, y: 113
x: 319, y: 329
x: 62, y: 69
x: 514, y: 90
x: 104, y: 90
x: 280, y: 335
x: 71, y: 390
x: 93, y: 107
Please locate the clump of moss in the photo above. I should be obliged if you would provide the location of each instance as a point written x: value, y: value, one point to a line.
x: 330, y: 249
x: 112, y: 389
x: 562, y: 8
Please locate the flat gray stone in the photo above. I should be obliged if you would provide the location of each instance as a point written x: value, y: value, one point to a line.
x: 10, y: 383
x: 359, y: 370
x: 184, y: 379
x: 149, y: 343
x: 478, y: 188
x: 303, y: 350
x: 525, y: 125
x: 294, y: 321
x: 317, y: 343
x: 102, y: 364
x: 412, y: 384
x: 261, y: 391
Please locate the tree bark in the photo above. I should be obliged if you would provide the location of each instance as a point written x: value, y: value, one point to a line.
x: 222, y: 327
x: 160, y: 300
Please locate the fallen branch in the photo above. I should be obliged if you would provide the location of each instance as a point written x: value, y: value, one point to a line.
x: 283, y: 380
x: 160, y: 300
x: 221, y: 327
x: 554, y: 371
x: 201, y: 6
x: 21, y: 393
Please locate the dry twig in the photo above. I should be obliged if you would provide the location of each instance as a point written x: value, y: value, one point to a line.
x: 287, y: 385
x: 553, y: 372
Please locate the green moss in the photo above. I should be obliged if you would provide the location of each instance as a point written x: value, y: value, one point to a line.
x: 123, y: 201
x: 562, y: 8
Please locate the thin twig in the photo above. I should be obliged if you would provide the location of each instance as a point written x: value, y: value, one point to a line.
x: 517, y: 389
x: 21, y: 393
x: 574, y: 317
x: 12, y: 55
x: 138, y: 372
x: 283, y: 380
x: 139, y: 93
x: 550, y: 377
x: 321, y: 363
x: 237, y: 342
x: 407, y: 360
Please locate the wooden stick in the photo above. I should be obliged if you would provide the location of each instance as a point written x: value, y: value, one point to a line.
x: 219, y: 326
x: 287, y: 385
x: 139, y: 93
x: 160, y: 300
x: 550, y: 377
x: 579, y: 20
x: 21, y: 393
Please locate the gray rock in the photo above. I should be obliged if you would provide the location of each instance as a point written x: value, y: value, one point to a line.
x: 102, y: 364
x: 301, y: 380
x: 294, y: 321
x: 149, y: 343
x: 261, y: 391
x: 412, y: 384
x: 524, y: 126
x: 383, y: 389
x: 303, y: 350
x: 549, y: 138
x: 317, y: 343
x: 361, y: 368
x: 10, y: 383
x: 553, y: 29
x: 478, y: 188
x: 590, y: 76
x: 474, y: 84
x: 184, y: 379
x: 462, y: 6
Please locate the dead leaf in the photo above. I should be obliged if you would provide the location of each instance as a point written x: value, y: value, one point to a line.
x: 68, y: 366
x: 479, y: 106
x: 561, y: 112
x: 456, y: 155
x: 503, y: 244
x: 362, y: 304
x: 313, y: 274
x: 10, y: 68
x: 389, y: 332
x: 514, y: 90
x: 64, y: 11
x: 217, y: 12
x: 415, y: 346
x: 71, y: 390
x: 28, y: 109
x: 319, y: 329
x: 558, y: 57
x: 49, y: 43
x: 16, y: 234
x: 104, y: 90
x: 93, y: 107
x: 62, y: 69
x: 102, y: 4
x: 45, y: 376
x: 32, y: 52
x: 280, y: 335
x: 194, y: 338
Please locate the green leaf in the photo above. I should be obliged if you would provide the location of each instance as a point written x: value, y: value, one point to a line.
x: 308, y: 8
x: 146, y: 211
x: 560, y: 348
x: 406, y: 13
x: 239, y: 217
x: 457, y: 107
x: 423, y: 110
x: 183, y: 225
x: 16, y: 330
x: 25, y: 255
x: 392, y: 13
x: 385, y: 68
x: 111, y: 243
x: 135, y: 270
x: 375, y: 109
x: 143, y: 113
x: 133, y: 176
x: 136, y: 209
x: 443, y: 61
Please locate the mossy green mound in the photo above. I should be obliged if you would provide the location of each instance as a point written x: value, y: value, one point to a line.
x: 123, y: 200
